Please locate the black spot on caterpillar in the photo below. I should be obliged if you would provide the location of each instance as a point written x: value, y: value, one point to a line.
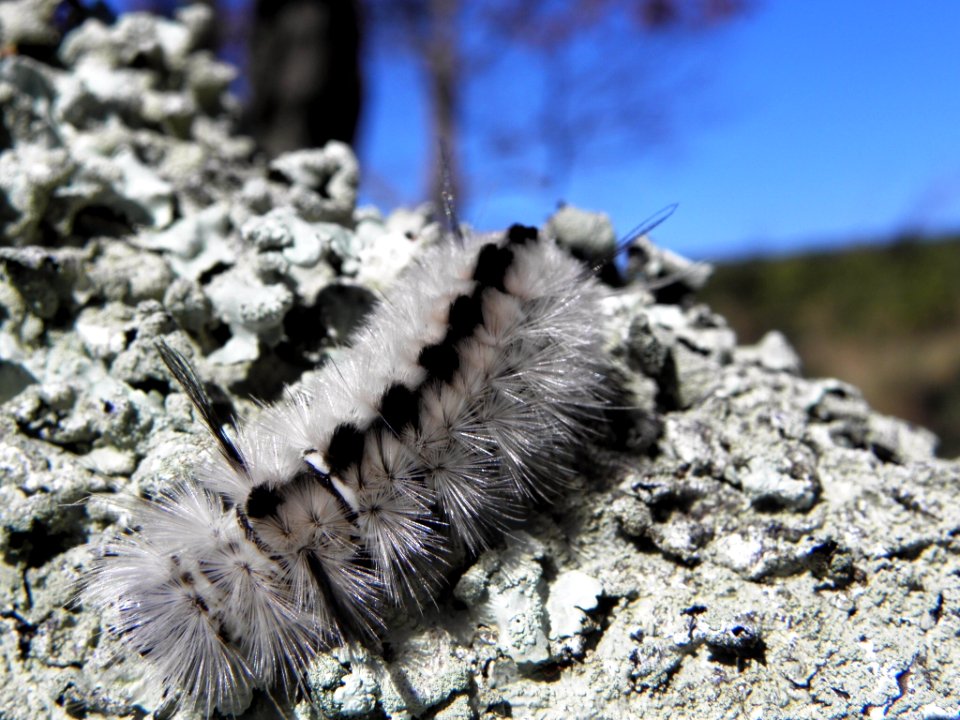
x: 458, y: 404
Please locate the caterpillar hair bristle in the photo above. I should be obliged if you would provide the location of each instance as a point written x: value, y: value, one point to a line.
x: 459, y: 403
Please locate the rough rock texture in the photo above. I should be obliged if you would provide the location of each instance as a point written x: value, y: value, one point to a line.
x: 761, y: 545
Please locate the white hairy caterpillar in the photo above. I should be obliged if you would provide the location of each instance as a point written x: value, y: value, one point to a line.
x: 460, y: 401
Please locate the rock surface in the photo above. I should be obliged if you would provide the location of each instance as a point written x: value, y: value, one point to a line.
x: 767, y: 547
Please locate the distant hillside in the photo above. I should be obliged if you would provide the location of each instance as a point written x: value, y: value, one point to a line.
x: 886, y: 319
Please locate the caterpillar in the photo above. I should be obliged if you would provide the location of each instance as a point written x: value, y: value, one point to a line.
x: 458, y: 405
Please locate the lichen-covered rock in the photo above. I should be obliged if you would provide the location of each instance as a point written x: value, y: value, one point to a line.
x: 767, y: 546
x: 27, y: 22
x: 324, y: 181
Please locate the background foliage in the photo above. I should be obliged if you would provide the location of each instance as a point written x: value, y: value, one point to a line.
x: 885, y: 318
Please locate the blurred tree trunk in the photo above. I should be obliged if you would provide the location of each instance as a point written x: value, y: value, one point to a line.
x: 304, y: 72
x: 444, y: 77
x: 302, y: 64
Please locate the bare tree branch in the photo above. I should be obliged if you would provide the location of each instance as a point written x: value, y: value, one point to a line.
x: 588, y: 100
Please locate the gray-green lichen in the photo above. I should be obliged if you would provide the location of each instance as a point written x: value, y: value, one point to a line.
x: 770, y: 547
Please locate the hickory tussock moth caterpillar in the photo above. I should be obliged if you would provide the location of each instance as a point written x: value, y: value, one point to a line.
x: 459, y: 401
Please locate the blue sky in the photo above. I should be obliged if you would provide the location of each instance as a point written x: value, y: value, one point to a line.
x: 798, y: 125
x: 810, y: 124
